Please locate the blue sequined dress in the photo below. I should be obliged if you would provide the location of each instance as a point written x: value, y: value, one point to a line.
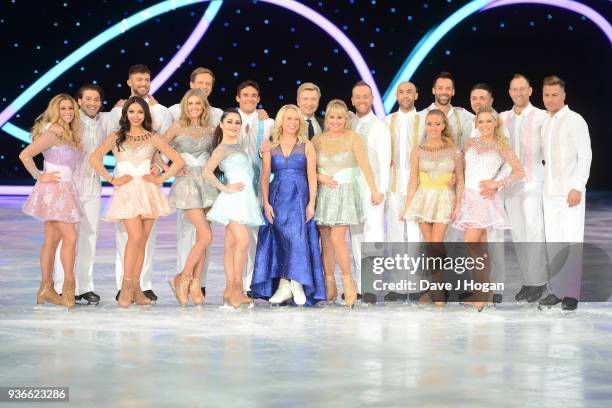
x: 289, y: 248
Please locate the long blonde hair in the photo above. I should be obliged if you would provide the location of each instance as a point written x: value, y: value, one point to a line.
x: 498, y: 133
x: 277, y: 131
x: 52, y: 115
x: 338, y: 106
x: 184, y: 119
x: 447, y: 136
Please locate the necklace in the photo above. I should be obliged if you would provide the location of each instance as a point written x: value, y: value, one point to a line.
x: 138, y: 138
x: 433, y: 149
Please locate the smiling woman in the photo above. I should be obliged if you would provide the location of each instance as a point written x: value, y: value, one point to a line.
x: 54, y: 199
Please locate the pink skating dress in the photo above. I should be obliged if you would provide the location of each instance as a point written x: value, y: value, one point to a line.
x: 57, y: 201
x: 484, y: 161
x: 138, y: 198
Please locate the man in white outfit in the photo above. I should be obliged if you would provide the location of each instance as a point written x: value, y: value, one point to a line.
x: 567, y: 156
x: 406, y: 128
x: 92, y: 132
x: 139, y: 81
x: 443, y: 91
x: 254, y: 132
x: 523, y: 201
x: 203, y: 79
x: 377, y: 139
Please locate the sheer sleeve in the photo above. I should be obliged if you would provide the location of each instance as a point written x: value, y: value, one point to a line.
x: 171, y: 133
x: 459, y: 176
x: 177, y: 161
x: 208, y: 172
x: 45, y: 141
x: 316, y: 142
x: 518, y: 173
x: 469, y: 142
x: 362, y: 159
x: 413, y: 183
x: 96, y: 160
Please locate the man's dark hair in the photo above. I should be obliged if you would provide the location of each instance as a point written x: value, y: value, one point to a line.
x: 484, y: 87
x: 246, y: 84
x: 89, y: 87
x: 138, y: 69
x: 444, y: 75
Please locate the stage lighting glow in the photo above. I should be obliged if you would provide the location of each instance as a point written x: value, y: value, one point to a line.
x: 185, y: 50
x: 426, y: 44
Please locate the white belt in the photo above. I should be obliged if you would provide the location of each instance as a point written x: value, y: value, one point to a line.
x: 64, y: 172
x: 192, y: 161
x: 126, y: 167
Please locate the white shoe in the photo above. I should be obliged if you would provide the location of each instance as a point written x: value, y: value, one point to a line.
x: 282, y: 293
x: 298, y: 293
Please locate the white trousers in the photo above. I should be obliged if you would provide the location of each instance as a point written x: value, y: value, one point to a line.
x: 121, y: 238
x: 185, y: 238
x: 525, y: 209
x: 564, y: 226
x: 371, y: 230
x: 87, y: 232
x: 398, y: 230
x: 247, y: 275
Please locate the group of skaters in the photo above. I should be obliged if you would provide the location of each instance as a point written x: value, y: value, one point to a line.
x: 289, y: 189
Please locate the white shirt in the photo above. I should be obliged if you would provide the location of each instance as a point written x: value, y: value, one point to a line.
x: 567, y: 152
x: 249, y: 139
x: 402, y: 134
x: 377, y: 139
x: 93, y: 131
x: 524, y: 132
x: 315, y: 125
x: 159, y: 113
x: 459, y: 119
x: 175, y: 112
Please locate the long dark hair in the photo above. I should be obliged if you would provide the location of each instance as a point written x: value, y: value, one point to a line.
x: 218, y: 135
x: 124, y: 123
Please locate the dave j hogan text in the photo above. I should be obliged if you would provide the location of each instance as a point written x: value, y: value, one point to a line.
x: 423, y: 284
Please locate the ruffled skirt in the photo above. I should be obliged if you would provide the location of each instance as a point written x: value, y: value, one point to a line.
x: 339, y: 206
x: 192, y: 191
x: 432, y: 205
x: 240, y: 207
x: 138, y: 198
x: 54, y: 202
x: 479, y: 212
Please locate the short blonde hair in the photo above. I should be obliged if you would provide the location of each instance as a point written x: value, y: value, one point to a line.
x: 184, y: 119
x: 277, y: 131
x: 308, y: 86
x: 52, y: 115
x: 338, y: 106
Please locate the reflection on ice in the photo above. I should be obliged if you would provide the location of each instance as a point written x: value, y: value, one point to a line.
x: 381, y: 355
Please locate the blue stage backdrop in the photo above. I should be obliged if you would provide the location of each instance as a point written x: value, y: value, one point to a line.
x: 283, y: 43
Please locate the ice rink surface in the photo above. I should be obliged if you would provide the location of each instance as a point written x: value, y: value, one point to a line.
x: 384, y: 355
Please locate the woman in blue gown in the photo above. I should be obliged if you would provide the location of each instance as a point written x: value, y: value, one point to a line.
x: 288, y: 259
